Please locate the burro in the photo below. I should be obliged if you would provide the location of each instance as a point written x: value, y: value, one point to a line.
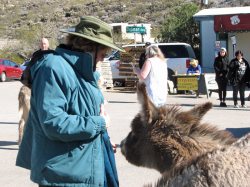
x: 184, y: 150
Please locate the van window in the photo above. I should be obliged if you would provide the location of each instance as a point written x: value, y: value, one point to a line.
x: 116, y: 55
x: 176, y: 51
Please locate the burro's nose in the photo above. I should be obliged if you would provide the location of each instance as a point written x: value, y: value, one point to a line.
x: 122, y: 146
x: 122, y: 143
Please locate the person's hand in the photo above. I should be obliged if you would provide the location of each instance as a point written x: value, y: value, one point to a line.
x: 135, y: 69
x: 113, y: 146
x: 133, y: 66
x: 104, y: 114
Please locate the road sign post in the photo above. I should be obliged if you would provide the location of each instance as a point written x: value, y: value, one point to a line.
x: 137, y: 29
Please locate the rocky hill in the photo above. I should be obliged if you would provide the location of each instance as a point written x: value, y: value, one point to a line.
x: 27, y: 13
x: 28, y: 20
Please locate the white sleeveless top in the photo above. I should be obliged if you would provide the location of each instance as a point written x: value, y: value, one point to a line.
x: 156, y: 81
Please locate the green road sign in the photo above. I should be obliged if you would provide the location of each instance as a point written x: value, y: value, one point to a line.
x: 136, y: 29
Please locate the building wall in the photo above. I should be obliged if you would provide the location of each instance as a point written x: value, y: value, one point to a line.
x: 243, y: 44
x: 208, y: 38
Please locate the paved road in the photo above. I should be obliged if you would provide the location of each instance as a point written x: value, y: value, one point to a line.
x: 122, y: 107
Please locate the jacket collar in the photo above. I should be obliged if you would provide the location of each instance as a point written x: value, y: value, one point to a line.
x: 81, y: 62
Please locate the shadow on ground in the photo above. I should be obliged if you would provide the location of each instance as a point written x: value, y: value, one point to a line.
x: 5, y: 122
x: 120, y: 102
x: 239, y: 132
x: 7, y: 145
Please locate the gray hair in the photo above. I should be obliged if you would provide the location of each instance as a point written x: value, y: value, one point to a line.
x: 153, y: 50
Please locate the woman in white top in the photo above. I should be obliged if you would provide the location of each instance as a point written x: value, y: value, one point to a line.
x: 154, y: 73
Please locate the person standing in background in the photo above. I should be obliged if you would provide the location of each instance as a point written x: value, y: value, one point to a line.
x: 43, y: 45
x: 239, y: 75
x: 221, y: 63
x: 154, y: 74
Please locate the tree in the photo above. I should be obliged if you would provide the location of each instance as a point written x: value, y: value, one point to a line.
x: 180, y: 26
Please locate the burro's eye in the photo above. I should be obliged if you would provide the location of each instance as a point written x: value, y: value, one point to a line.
x: 132, y: 138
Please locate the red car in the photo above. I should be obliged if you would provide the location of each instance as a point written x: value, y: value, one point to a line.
x: 9, y: 70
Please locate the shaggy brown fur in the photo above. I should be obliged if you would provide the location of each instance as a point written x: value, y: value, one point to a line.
x: 23, y: 108
x: 186, y: 151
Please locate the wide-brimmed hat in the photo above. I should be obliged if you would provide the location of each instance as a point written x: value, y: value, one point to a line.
x: 95, y: 30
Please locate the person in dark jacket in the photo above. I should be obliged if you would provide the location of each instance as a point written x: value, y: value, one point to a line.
x: 142, y: 58
x: 43, y: 46
x: 239, y: 75
x: 221, y: 69
x: 65, y: 142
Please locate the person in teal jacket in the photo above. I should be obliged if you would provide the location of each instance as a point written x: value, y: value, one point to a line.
x: 65, y: 141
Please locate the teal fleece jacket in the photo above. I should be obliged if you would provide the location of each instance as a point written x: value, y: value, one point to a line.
x: 62, y: 144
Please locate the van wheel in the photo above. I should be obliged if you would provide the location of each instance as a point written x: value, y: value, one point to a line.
x: 3, y: 77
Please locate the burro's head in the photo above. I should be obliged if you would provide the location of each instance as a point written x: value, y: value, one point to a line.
x: 167, y: 138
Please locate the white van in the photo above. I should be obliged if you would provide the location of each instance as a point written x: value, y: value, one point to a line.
x: 114, y: 60
x: 178, y: 56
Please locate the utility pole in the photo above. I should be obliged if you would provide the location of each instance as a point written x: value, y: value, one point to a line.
x: 203, y: 2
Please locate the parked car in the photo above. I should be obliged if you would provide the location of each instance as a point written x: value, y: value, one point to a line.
x: 178, y: 56
x: 24, y: 65
x: 9, y: 70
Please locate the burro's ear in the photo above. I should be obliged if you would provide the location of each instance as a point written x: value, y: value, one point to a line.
x: 149, y: 111
x: 190, y: 119
x: 200, y: 110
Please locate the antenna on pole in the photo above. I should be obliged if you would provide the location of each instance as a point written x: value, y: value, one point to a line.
x: 204, y: 2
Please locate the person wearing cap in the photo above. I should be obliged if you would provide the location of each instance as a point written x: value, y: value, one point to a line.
x: 143, y: 55
x: 221, y: 63
x: 65, y: 142
x: 154, y: 74
x: 239, y: 76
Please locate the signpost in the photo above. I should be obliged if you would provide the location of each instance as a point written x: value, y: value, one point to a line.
x: 137, y: 29
x: 210, y: 83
